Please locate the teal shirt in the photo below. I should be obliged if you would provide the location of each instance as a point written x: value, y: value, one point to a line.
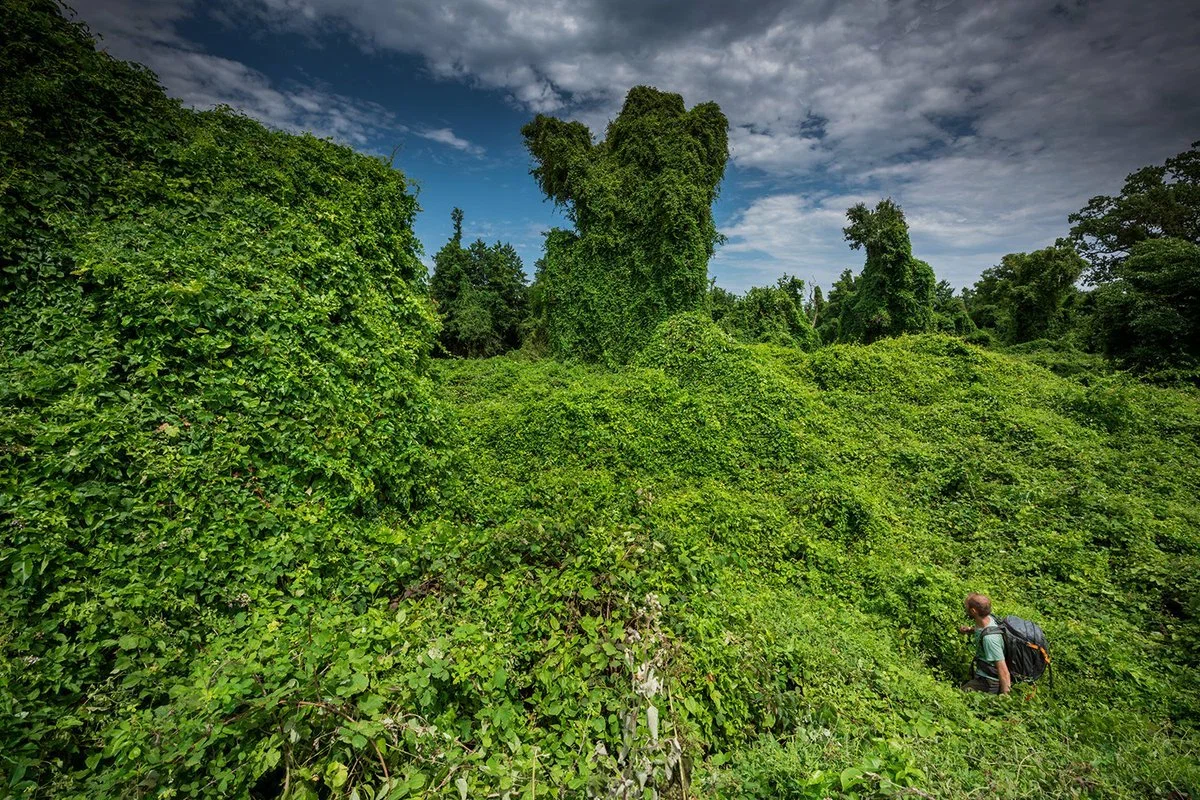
x: 988, y: 648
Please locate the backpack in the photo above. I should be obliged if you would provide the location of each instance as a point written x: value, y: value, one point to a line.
x: 1026, y: 650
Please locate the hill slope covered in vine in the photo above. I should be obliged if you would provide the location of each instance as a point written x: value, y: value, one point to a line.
x: 255, y: 544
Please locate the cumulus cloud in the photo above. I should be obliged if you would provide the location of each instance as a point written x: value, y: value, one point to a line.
x: 148, y: 33
x: 988, y: 122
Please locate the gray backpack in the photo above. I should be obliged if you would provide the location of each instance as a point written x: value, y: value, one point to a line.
x: 1026, y: 650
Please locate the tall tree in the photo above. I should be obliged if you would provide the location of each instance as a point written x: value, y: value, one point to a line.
x: 1156, y: 202
x: 841, y: 297
x: 1148, y: 316
x: 895, y: 293
x: 1027, y: 295
x: 481, y: 295
x: 641, y: 203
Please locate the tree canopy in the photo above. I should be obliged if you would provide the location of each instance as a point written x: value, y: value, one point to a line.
x: 895, y: 292
x: 772, y: 314
x: 1148, y: 316
x: 481, y: 295
x: 641, y: 203
x: 1156, y: 202
x: 1027, y: 296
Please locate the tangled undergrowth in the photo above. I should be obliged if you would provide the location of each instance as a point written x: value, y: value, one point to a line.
x: 255, y: 545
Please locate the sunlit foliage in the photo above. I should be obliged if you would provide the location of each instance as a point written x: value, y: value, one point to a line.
x: 641, y: 203
x: 894, y: 294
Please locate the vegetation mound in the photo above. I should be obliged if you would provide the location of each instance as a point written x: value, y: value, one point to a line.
x: 213, y: 358
x: 249, y: 551
x: 809, y: 524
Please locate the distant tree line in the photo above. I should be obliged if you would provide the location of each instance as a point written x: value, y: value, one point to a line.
x: 1125, y: 283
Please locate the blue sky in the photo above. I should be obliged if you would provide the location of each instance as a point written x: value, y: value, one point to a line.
x: 988, y: 122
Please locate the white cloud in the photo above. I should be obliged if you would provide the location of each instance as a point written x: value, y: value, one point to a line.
x: 147, y: 33
x: 446, y: 136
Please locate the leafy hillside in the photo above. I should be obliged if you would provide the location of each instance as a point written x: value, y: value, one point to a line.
x: 810, y: 523
x: 256, y: 545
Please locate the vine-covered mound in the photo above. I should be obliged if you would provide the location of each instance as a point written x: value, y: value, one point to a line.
x: 810, y: 524
x: 212, y: 372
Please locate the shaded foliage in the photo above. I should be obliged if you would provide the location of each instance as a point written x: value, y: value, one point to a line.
x: 1028, y: 295
x: 481, y: 294
x: 1148, y: 316
x: 1156, y: 202
x: 950, y: 311
x: 841, y: 297
x: 641, y: 203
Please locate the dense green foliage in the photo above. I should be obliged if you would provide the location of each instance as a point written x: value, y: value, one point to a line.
x: 774, y: 314
x: 809, y: 523
x: 252, y: 548
x: 1139, y: 249
x: 481, y: 295
x: 641, y: 203
x: 829, y: 321
x: 950, y: 313
x: 212, y: 361
x: 1028, y: 295
x: 1148, y: 316
x: 895, y: 292
x: 1156, y: 202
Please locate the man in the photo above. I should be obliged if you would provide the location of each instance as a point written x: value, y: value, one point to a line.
x: 991, y: 670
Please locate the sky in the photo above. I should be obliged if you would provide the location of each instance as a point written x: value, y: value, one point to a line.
x: 988, y: 122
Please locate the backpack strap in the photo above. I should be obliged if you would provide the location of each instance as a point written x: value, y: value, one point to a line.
x: 987, y: 667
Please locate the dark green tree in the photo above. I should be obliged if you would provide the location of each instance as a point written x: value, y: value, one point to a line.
x: 481, y: 295
x: 950, y: 311
x: 1148, y: 316
x: 722, y: 304
x: 772, y: 314
x: 841, y: 297
x: 1027, y: 296
x: 641, y: 203
x: 895, y: 293
x: 1156, y: 202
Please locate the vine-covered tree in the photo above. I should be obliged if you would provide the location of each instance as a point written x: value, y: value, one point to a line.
x: 841, y: 296
x: 1027, y: 296
x: 814, y: 308
x: 950, y: 311
x: 772, y: 314
x: 1156, y: 202
x: 895, y: 292
x: 481, y: 295
x: 722, y: 304
x: 641, y: 203
x: 1148, y: 316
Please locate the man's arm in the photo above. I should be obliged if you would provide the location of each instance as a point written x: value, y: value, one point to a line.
x: 1005, y: 678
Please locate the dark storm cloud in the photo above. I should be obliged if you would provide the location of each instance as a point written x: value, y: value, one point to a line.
x: 989, y: 122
